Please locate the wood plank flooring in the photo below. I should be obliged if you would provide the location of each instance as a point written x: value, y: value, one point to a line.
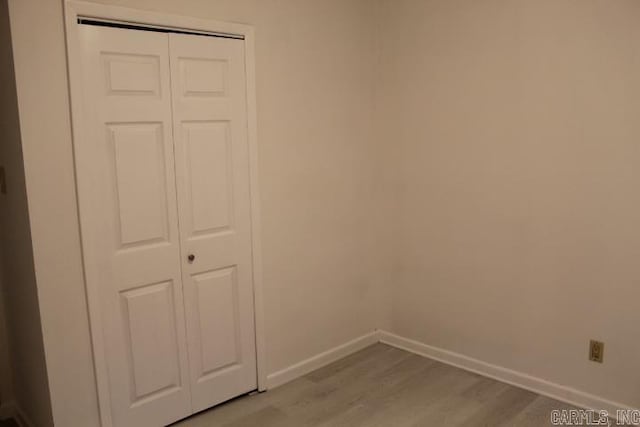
x: 382, y: 386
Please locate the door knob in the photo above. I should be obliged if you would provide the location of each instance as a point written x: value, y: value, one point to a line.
x: 191, y: 257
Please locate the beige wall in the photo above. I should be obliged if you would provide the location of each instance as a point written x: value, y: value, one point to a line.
x: 19, y: 292
x: 516, y: 126
x: 315, y: 109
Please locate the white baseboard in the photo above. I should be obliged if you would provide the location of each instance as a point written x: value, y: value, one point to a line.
x: 537, y: 385
x: 302, y: 368
x: 12, y: 410
x: 543, y: 387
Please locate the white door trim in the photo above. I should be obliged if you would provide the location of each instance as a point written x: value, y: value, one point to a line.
x: 78, y: 9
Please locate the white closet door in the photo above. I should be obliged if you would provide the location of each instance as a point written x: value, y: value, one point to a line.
x: 126, y: 173
x: 212, y: 169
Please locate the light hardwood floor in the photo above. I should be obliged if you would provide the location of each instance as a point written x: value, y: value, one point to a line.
x: 386, y: 387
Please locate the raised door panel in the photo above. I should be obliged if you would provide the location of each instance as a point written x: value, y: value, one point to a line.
x: 132, y: 74
x: 203, y: 76
x: 126, y: 176
x: 212, y: 177
x: 140, y: 182
x: 149, y: 320
x: 208, y: 169
x: 217, y: 315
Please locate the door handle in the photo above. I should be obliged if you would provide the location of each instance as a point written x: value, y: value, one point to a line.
x: 191, y: 257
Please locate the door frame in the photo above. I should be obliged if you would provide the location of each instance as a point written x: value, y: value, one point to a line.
x: 73, y: 10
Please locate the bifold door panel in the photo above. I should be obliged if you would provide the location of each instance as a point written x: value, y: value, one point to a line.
x: 165, y: 154
x: 212, y: 176
x: 134, y: 222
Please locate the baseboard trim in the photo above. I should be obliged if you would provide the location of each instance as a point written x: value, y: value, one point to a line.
x: 12, y: 410
x: 518, y: 379
x: 304, y: 367
x: 543, y: 387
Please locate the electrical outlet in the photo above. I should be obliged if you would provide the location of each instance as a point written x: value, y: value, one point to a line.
x: 596, y: 351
